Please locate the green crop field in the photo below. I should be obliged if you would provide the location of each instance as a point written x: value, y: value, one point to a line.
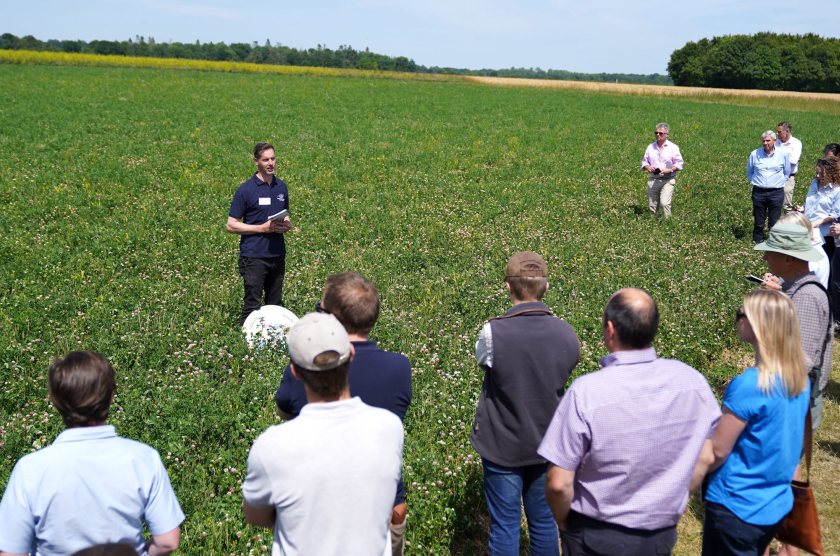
x: 115, y: 185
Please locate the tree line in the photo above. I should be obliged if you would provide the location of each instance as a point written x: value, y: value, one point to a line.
x: 321, y: 56
x: 343, y: 57
x: 537, y: 73
x: 761, y: 61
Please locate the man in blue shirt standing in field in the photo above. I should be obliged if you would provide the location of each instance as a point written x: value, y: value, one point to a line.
x: 262, y: 246
x: 768, y: 169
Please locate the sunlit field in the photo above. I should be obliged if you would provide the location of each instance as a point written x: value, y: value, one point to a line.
x: 115, y: 185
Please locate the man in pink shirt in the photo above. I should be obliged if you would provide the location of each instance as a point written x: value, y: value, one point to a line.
x: 662, y: 161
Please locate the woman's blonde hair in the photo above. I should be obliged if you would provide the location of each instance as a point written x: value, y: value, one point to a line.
x: 798, y: 218
x: 775, y: 324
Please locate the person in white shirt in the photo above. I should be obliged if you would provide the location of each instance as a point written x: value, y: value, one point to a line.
x: 326, y: 480
x: 793, y: 146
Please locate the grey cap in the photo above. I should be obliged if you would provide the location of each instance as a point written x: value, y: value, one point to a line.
x: 791, y: 240
x: 318, y: 342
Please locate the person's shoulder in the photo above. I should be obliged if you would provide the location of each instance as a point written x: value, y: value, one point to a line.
x: 566, y: 331
x: 382, y: 417
x: 37, y: 459
x: 131, y: 444
x: 677, y: 366
x: 685, y: 373
x: 563, y: 322
x: 594, y: 381
x: 271, y: 435
x: 743, y: 384
x: 807, y: 286
x: 135, y: 451
x: 391, y: 355
x: 248, y: 184
x: 373, y: 357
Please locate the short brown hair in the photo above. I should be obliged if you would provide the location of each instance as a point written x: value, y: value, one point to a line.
x: 325, y: 384
x: 81, y: 387
x: 353, y: 301
x: 259, y: 148
x: 527, y: 288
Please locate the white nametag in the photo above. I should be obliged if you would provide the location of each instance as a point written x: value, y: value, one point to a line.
x: 265, y: 201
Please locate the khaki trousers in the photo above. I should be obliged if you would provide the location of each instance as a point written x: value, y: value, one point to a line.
x: 789, y: 185
x: 660, y: 194
x: 398, y: 537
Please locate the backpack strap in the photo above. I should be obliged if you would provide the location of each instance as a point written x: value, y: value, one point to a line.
x: 813, y: 373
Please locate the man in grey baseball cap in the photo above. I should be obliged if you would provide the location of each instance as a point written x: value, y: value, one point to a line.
x: 325, y: 481
x: 787, y: 251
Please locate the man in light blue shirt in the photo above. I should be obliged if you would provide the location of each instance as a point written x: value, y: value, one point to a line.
x: 89, y: 486
x: 768, y: 168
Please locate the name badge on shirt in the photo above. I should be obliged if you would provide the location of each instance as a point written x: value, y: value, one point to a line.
x: 265, y: 201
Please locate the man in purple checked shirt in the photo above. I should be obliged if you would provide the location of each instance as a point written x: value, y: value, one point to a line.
x: 628, y: 442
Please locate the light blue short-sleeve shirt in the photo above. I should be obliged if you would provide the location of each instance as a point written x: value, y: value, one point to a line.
x: 90, y: 486
x: 754, y: 481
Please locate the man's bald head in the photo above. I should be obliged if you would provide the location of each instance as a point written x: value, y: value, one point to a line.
x: 634, y: 317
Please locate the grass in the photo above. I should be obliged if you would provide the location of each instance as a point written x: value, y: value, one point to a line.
x: 789, y: 100
x: 116, y: 184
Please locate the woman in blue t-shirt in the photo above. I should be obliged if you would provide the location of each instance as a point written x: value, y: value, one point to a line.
x: 758, y: 441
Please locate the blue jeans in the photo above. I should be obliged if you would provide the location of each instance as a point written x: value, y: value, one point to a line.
x: 505, y: 489
x: 725, y: 534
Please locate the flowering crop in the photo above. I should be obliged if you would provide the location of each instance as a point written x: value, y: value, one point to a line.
x: 80, y: 59
x: 116, y: 181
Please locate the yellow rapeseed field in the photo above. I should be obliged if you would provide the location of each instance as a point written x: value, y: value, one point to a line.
x: 79, y: 59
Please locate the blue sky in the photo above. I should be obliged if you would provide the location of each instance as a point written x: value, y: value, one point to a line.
x: 633, y: 36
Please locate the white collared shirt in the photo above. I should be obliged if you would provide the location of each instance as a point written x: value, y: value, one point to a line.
x: 793, y: 146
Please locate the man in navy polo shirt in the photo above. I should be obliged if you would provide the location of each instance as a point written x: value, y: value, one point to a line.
x: 380, y: 378
x: 262, y: 247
